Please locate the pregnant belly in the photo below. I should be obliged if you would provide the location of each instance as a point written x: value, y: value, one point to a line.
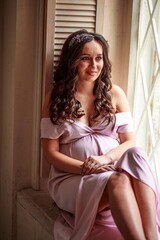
x: 90, y: 145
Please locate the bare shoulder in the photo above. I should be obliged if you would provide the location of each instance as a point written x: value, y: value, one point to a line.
x: 46, y: 105
x: 119, y: 99
x: 116, y: 90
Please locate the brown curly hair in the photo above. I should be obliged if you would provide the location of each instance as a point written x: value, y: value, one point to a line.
x: 64, y: 105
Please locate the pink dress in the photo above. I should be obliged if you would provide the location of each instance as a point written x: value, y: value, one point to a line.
x: 78, y: 196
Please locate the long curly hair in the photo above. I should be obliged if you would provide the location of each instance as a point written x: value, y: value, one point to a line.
x: 64, y: 105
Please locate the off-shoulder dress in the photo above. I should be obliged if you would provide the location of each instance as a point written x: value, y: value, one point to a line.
x: 78, y: 196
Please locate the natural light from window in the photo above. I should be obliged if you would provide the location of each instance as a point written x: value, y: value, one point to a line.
x: 147, y: 88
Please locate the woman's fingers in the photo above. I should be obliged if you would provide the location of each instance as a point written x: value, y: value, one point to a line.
x: 92, y: 166
x: 89, y: 166
x: 110, y: 167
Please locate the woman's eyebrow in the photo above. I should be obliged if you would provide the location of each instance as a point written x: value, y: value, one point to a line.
x: 99, y: 54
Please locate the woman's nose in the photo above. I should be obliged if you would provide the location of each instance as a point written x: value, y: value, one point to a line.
x: 93, y: 63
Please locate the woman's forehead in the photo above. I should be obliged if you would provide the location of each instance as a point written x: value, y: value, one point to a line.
x: 91, y: 47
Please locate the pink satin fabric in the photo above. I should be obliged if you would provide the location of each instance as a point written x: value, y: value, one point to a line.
x: 78, y: 196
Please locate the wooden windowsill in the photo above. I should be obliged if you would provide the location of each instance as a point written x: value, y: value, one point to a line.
x: 40, y: 206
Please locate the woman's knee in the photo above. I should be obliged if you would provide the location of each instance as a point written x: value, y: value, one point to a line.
x: 135, y: 151
x: 119, y: 180
x: 116, y: 181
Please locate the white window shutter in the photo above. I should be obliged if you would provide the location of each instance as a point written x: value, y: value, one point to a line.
x: 70, y: 16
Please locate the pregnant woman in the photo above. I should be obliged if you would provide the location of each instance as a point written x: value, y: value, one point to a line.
x: 101, y: 182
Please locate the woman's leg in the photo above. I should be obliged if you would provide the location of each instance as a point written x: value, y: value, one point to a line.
x: 124, y: 207
x: 147, y: 207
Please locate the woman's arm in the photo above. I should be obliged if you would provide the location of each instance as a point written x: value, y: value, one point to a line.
x: 51, y: 148
x: 60, y: 160
x: 127, y: 140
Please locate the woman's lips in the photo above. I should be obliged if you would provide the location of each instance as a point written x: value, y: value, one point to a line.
x: 91, y: 73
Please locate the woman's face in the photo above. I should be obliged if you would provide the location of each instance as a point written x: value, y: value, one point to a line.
x: 91, y: 62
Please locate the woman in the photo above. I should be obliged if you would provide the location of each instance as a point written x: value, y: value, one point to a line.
x: 100, y: 181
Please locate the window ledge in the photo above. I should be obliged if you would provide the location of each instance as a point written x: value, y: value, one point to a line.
x: 40, y: 206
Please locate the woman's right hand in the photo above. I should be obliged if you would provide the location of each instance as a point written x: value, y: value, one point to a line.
x: 92, y: 166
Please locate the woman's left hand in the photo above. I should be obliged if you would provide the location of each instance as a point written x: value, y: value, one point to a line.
x: 102, y: 159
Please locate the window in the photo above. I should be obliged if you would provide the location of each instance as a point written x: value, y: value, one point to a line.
x: 146, y: 107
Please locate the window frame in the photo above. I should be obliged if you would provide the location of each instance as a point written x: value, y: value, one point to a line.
x: 143, y: 90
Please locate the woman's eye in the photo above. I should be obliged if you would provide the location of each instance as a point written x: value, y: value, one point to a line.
x: 99, y: 58
x: 85, y: 58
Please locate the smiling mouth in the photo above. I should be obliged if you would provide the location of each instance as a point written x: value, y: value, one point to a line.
x: 92, y: 73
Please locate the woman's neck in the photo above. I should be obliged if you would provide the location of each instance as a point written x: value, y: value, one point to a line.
x: 85, y: 88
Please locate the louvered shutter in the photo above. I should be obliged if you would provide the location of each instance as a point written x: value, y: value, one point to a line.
x: 70, y: 16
